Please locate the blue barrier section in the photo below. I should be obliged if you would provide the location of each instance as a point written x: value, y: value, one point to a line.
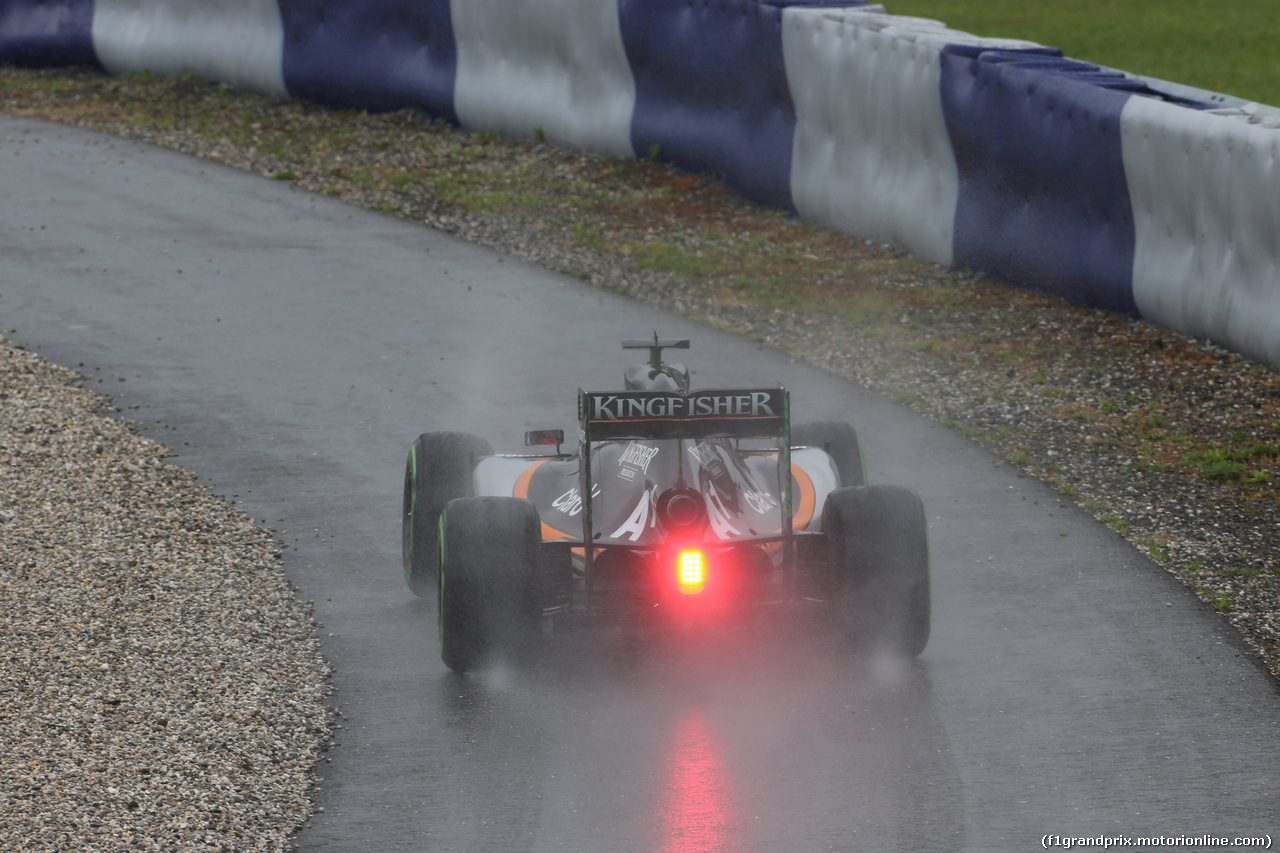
x: 374, y: 55
x: 711, y: 90
x: 1043, y: 199
x: 47, y: 32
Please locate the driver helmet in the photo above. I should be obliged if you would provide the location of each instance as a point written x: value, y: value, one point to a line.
x: 668, y: 377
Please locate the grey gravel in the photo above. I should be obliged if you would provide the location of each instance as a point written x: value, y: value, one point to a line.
x: 163, y: 688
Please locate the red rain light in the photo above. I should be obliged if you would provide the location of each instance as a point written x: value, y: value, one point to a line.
x: 691, y: 572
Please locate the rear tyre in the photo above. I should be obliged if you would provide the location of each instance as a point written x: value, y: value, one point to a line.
x: 488, y: 579
x: 840, y: 441
x: 878, y: 557
x: 437, y: 471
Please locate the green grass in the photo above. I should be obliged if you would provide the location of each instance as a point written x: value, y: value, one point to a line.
x: 1116, y: 523
x: 1227, y: 465
x: 1250, y: 573
x: 1227, y: 47
x: 674, y: 259
x: 1157, y: 550
x: 588, y: 237
x: 907, y: 398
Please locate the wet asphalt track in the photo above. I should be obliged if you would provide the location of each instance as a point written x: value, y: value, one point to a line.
x: 290, y: 347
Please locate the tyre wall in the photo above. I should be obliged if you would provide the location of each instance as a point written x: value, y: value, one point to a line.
x: 375, y: 55
x: 989, y: 154
x: 1037, y: 142
x: 47, y: 32
x: 871, y: 152
x: 237, y: 42
x: 711, y: 90
x: 556, y: 68
x: 1205, y: 191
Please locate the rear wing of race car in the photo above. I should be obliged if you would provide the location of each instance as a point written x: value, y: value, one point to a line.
x: 656, y: 415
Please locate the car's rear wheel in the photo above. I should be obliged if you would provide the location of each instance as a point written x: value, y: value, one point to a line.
x: 841, y: 443
x: 878, y: 557
x: 437, y: 471
x: 488, y: 579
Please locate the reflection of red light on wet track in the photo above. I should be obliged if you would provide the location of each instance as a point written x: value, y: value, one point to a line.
x: 696, y: 808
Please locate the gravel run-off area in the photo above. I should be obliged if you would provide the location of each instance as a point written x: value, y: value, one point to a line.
x: 164, y: 688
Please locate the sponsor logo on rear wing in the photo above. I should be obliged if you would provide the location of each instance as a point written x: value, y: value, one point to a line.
x: 754, y: 412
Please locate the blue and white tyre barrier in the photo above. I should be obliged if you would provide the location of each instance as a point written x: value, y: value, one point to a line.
x: 991, y: 154
x: 871, y: 153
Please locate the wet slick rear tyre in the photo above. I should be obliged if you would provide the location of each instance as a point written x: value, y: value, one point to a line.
x: 878, y: 557
x: 488, y: 579
x: 437, y: 471
x: 840, y: 441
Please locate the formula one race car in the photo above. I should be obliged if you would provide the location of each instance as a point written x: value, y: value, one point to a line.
x: 703, y: 505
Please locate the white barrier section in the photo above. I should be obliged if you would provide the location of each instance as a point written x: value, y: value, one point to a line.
x: 871, y: 154
x: 237, y: 42
x: 552, y: 65
x: 1207, y: 216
